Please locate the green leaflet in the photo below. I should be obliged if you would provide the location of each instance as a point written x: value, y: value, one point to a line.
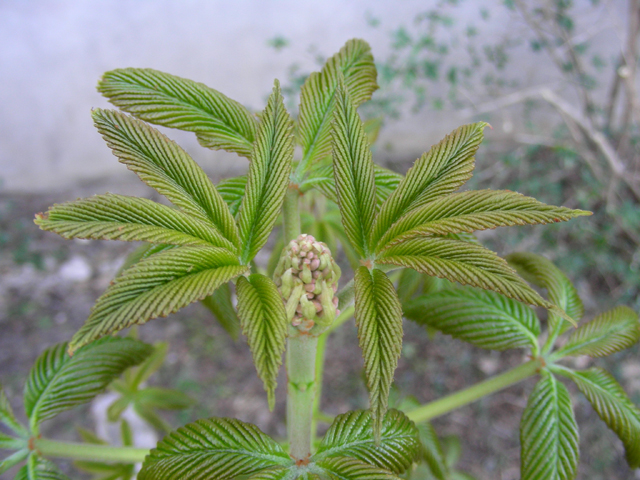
x: 219, y: 448
x: 372, y: 128
x: 157, y: 286
x: 353, y: 172
x: 7, y: 418
x: 219, y: 303
x: 264, y: 322
x: 165, y: 166
x: 379, y: 320
x: 268, y: 177
x: 440, y: 171
x: 13, y: 459
x: 277, y: 473
x: 321, y: 178
x: 608, y: 333
x: 118, y: 217
x: 548, y: 433
x: 485, y: 319
x: 355, y: 63
x: 170, y: 101
x: 408, y: 284
x: 232, y: 192
x: 40, y: 469
x: 465, y: 263
x: 350, y: 435
x: 345, y: 468
x: 612, y: 404
x: 58, y: 382
x: 561, y: 292
x: 432, y: 452
x: 473, y: 210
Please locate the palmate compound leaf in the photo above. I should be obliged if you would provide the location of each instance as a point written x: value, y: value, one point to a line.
x: 118, y: 217
x: 268, y: 177
x: 440, y: 171
x: 483, y: 318
x: 561, y: 292
x: 165, y: 166
x: 157, y: 286
x: 220, y: 304
x: 264, y: 322
x: 351, y: 435
x: 344, y: 468
x: 473, y: 210
x: 353, y: 172
x: 220, y: 448
x: 608, y: 333
x: 614, y: 407
x: 548, y: 433
x: 354, y: 63
x: 38, y: 468
x: 170, y: 101
x: 58, y: 382
x: 465, y: 263
x: 379, y: 320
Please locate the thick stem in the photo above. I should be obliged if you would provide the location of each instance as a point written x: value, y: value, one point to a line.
x: 291, y: 213
x: 89, y: 451
x: 471, y: 394
x: 301, y: 393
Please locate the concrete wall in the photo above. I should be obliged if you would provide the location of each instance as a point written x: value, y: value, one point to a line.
x: 53, y: 52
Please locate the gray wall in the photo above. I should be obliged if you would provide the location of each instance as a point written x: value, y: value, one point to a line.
x: 53, y: 52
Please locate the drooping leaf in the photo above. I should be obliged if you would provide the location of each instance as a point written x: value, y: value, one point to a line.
x: 264, y: 322
x: 614, y: 407
x: 219, y: 448
x: 14, y: 459
x: 136, y: 376
x: 7, y: 418
x: 408, y: 284
x: 473, y: 210
x: 38, y: 468
x: 163, y: 398
x: 58, y: 382
x: 351, y: 435
x: 157, y: 286
x: 354, y: 63
x: 232, y: 191
x: 608, y: 333
x: 345, y: 468
x: 219, y: 303
x: 483, y: 318
x: 118, y: 217
x: 432, y: 452
x: 548, y: 433
x: 170, y: 101
x: 465, y: 263
x: 322, y: 179
x: 353, y: 172
x: 268, y: 177
x: 372, y: 128
x: 440, y: 171
x: 561, y: 292
x: 165, y: 166
x: 378, y: 316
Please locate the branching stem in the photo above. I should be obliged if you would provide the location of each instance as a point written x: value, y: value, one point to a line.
x: 459, y: 399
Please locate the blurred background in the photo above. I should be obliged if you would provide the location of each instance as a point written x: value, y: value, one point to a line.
x: 557, y: 80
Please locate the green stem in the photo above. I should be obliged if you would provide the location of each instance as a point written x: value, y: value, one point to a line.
x: 471, y: 394
x: 301, y: 393
x: 89, y: 451
x: 291, y: 214
x: 320, y: 355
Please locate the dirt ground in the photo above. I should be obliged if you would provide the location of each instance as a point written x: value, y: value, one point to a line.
x: 48, y: 285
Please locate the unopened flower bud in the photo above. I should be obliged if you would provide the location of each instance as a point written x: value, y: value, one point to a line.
x: 307, y: 278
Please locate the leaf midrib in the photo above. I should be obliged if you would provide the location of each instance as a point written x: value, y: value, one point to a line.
x: 331, y: 451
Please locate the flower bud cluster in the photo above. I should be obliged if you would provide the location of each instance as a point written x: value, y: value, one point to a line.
x: 307, y: 278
